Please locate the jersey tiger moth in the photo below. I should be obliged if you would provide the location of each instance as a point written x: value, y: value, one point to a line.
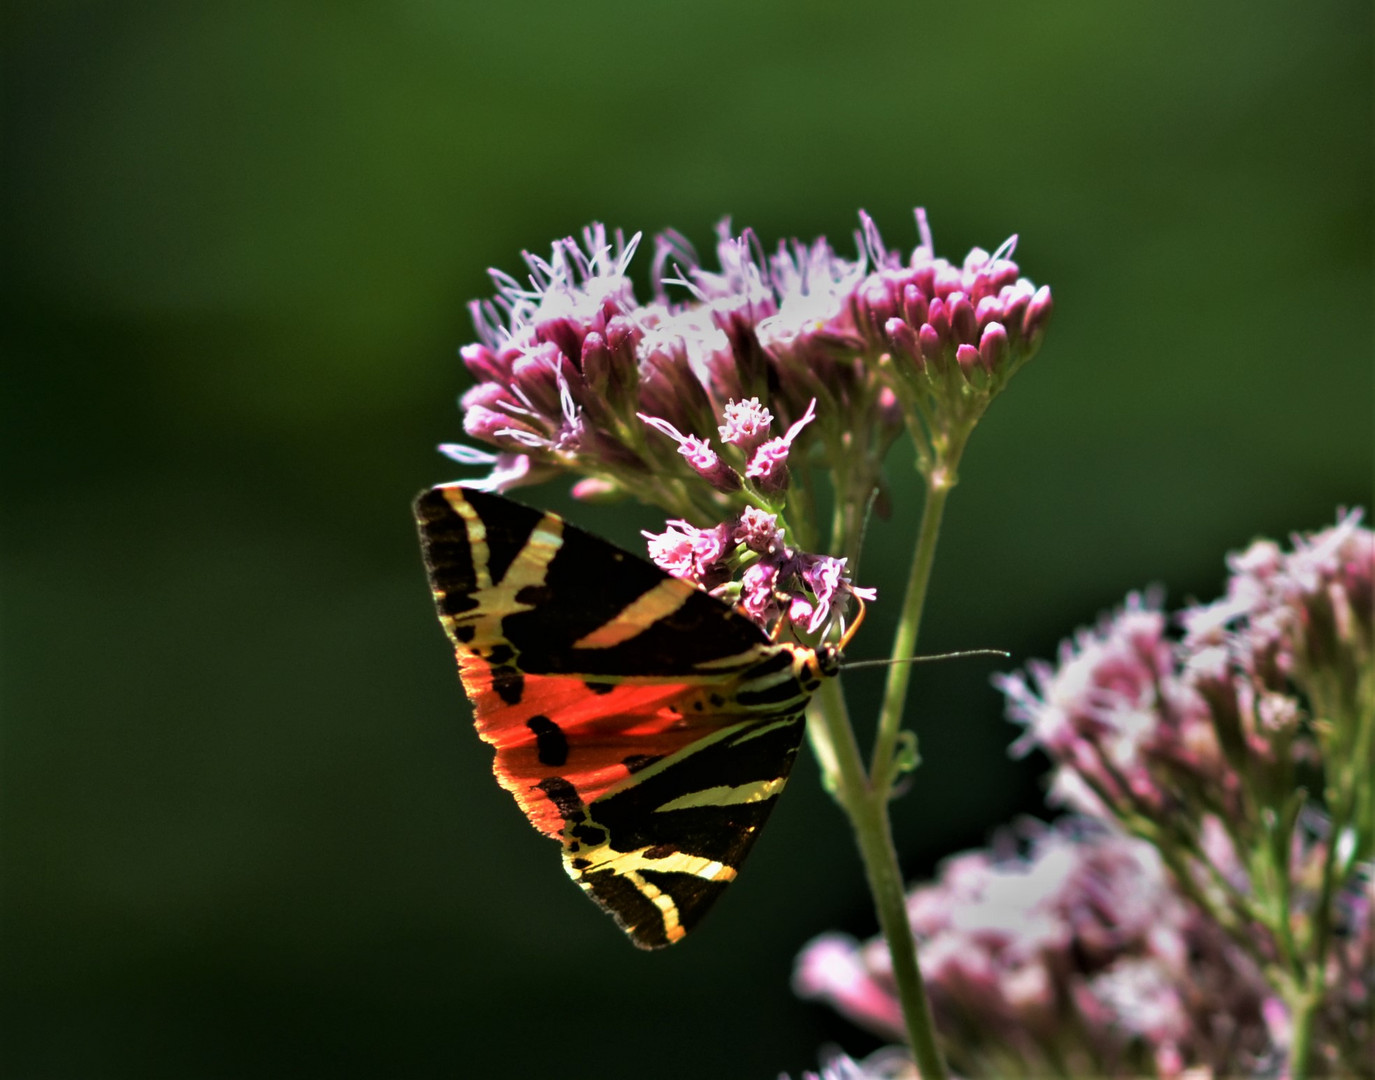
x: 641, y: 722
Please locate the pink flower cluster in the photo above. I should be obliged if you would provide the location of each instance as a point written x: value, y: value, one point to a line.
x: 570, y: 364
x: 1301, y: 618
x: 746, y: 429
x: 1164, y: 929
x: 938, y: 315
x: 777, y: 581
x: 1121, y: 723
x: 1209, y: 743
x: 1074, y: 956
x: 1141, y: 723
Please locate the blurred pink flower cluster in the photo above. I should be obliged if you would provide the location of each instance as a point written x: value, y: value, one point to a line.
x: 1203, y: 911
x: 1074, y: 955
x: 1272, y: 678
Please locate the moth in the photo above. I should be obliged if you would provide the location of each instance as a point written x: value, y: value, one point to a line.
x: 642, y: 723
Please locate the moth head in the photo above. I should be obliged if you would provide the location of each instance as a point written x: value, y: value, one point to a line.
x: 828, y: 660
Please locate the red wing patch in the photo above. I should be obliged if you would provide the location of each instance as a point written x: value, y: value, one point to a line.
x: 642, y: 723
x: 562, y: 728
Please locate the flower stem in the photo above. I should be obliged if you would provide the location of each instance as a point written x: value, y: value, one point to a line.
x: 1303, y: 1012
x: 868, y: 813
x: 939, y: 482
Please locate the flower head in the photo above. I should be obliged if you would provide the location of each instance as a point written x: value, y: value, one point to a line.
x: 1116, y: 714
x: 568, y: 357
x: 758, y: 530
x: 696, y: 555
x: 745, y: 424
x: 1208, y: 744
x: 775, y: 581
x: 768, y: 467
x: 1064, y: 942
x: 732, y: 386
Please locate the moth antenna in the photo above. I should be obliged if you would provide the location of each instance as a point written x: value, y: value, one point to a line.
x: 961, y: 654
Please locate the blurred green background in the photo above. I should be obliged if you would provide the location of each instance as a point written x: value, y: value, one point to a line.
x: 248, y: 829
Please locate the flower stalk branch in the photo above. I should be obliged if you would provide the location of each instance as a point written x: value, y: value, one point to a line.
x: 884, y: 764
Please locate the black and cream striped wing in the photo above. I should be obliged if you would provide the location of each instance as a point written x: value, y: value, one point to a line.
x: 611, y: 693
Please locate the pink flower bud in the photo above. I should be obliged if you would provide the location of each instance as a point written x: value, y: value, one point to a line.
x: 938, y: 317
x: 931, y: 344
x: 487, y: 424
x: 914, y: 307
x: 1003, y: 272
x: 620, y: 333
x: 533, y: 376
x: 482, y: 363
x: 593, y: 489
x: 890, y: 414
x: 1014, y: 301
x: 905, y: 340
x: 487, y: 395
x: 947, y: 280
x: 962, y: 319
x: 596, y: 361
x: 993, y: 346
x: 709, y: 465
x: 1037, y: 312
x: 989, y: 309
x: 967, y: 357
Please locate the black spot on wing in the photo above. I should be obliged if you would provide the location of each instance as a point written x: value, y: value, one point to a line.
x: 448, y: 555
x: 509, y: 684
x: 499, y: 654
x: 565, y: 798
x: 551, y: 744
x: 636, y: 762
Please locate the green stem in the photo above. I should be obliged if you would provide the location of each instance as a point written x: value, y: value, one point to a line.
x: 868, y: 813
x: 939, y: 482
x: 1304, y: 1010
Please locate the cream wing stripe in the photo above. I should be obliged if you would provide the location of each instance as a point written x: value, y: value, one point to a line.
x: 725, y: 795
x: 661, y: 601
x: 477, y: 536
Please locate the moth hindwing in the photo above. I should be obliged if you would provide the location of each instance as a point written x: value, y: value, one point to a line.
x: 639, y: 721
